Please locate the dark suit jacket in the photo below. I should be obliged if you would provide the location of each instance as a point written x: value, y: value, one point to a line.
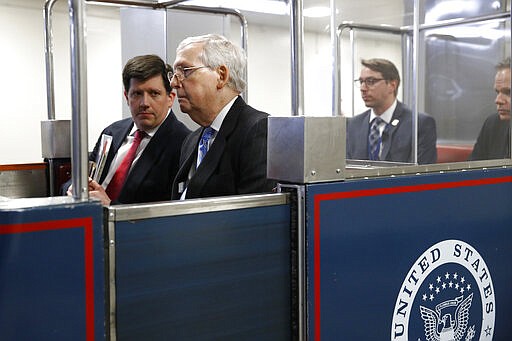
x: 493, y: 140
x: 397, y: 139
x: 236, y: 162
x: 151, y: 177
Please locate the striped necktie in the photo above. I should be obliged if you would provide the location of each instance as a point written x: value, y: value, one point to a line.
x: 375, y: 139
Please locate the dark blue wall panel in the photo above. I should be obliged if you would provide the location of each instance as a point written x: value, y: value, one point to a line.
x: 365, y: 236
x: 52, y: 273
x: 209, y: 276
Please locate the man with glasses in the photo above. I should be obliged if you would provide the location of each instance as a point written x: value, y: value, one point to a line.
x: 227, y: 155
x: 494, y: 138
x: 385, y: 131
x: 137, y: 157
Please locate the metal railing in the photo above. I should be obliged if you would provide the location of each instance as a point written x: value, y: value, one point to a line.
x: 79, y: 131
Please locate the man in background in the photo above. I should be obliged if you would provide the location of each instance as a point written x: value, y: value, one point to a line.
x: 136, y: 158
x: 493, y: 142
x: 227, y: 155
x: 384, y: 132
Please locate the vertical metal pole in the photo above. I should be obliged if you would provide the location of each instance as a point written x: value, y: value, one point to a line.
x: 353, y: 75
x: 297, y: 42
x: 301, y: 253
x: 415, y: 79
x: 406, y: 67
x: 50, y: 92
x: 243, y: 35
x: 297, y: 87
x: 48, y: 49
x: 336, y: 97
x: 79, y: 160
x: 509, y: 52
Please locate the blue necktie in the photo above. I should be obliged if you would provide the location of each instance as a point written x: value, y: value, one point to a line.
x: 203, y: 143
x: 374, y: 139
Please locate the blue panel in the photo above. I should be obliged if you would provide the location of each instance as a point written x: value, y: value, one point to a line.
x: 210, y: 276
x: 372, y: 233
x: 52, y: 273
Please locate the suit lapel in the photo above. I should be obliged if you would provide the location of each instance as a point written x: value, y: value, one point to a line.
x: 187, y: 161
x: 214, y: 155
x: 118, y: 138
x: 151, y: 153
x: 363, y: 137
x: 390, y: 130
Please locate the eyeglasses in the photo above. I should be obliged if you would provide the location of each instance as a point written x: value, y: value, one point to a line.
x: 370, y: 81
x: 183, y: 72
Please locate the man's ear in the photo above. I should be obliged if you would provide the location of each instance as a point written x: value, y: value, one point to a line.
x: 172, y: 96
x: 394, y: 82
x: 223, y: 72
x: 125, y: 96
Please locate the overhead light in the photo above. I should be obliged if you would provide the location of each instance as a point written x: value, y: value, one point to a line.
x: 317, y: 12
x: 496, y: 5
x: 260, y: 6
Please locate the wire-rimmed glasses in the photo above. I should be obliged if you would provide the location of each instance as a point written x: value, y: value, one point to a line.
x: 182, y: 73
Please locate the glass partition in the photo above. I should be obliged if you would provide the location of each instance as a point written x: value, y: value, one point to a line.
x: 446, y: 80
x: 459, y: 86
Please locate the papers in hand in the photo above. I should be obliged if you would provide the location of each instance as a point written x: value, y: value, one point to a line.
x: 96, y: 168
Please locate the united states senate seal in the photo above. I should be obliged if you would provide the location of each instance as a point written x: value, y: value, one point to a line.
x: 447, y: 295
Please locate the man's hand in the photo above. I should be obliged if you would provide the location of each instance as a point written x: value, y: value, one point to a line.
x: 98, y: 192
x: 95, y: 191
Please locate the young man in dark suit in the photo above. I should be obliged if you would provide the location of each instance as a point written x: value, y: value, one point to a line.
x: 227, y: 155
x: 385, y: 131
x: 155, y: 156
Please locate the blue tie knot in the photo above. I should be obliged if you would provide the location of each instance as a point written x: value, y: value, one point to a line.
x: 204, y: 142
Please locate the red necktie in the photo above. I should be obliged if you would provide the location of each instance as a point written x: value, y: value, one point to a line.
x: 117, y: 182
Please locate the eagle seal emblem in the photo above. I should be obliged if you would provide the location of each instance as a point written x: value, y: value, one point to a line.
x: 452, y: 329
x: 447, y: 295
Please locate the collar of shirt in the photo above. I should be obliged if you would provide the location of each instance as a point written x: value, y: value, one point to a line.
x: 387, y: 115
x: 217, y: 122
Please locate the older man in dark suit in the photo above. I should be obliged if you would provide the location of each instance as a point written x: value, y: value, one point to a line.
x: 494, y: 138
x: 228, y: 154
x: 385, y: 131
x: 137, y: 157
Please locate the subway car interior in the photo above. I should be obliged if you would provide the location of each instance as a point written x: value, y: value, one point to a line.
x: 420, y: 249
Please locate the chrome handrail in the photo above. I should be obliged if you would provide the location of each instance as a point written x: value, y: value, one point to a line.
x: 79, y: 130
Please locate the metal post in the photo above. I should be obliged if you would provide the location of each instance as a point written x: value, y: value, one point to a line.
x: 353, y: 74
x: 48, y: 49
x: 297, y: 60
x: 415, y: 79
x: 336, y: 97
x: 79, y: 160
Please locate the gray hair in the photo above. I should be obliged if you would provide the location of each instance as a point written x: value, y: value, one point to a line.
x: 217, y: 51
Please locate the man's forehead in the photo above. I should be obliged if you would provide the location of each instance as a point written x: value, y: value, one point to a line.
x: 503, y: 75
x: 187, y: 54
x: 502, y: 80
x: 154, y: 82
x: 368, y: 71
